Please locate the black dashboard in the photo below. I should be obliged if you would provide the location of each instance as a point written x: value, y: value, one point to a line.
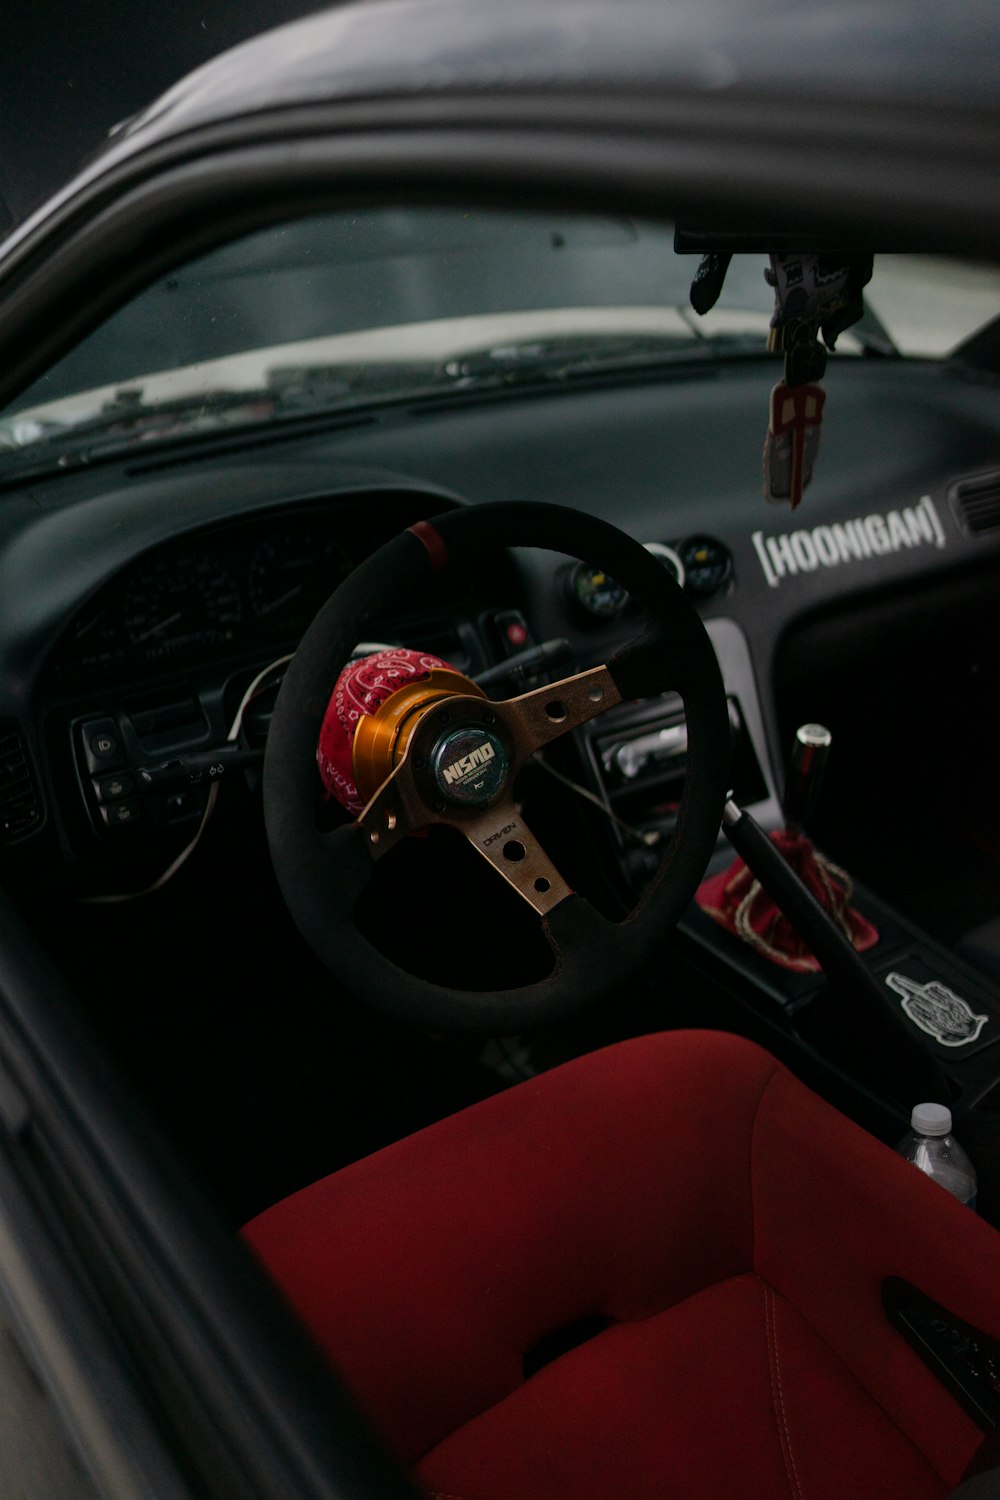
x: 150, y: 594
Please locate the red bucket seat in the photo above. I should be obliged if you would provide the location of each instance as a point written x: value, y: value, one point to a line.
x: 703, y: 1239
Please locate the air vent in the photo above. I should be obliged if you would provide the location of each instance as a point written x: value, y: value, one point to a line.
x: 20, y: 802
x: 976, y: 503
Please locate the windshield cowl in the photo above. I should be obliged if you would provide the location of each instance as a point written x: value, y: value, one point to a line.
x: 369, y: 368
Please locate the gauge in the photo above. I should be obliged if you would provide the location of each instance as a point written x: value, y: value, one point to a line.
x: 291, y: 574
x: 668, y: 557
x: 707, y: 565
x: 181, y: 602
x: 93, y: 643
x: 594, y: 592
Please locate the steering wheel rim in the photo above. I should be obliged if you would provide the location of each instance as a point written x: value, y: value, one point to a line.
x: 323, y: 873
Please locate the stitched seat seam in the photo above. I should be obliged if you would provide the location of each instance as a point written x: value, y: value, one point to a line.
x: 752, y: 1165
x: 778, y: 1395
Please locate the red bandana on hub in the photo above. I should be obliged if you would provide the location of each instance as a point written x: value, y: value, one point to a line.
x: 362, y: 688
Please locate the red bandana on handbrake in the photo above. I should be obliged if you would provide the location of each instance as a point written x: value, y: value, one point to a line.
x: 738, y: 902
x: 362, y: 688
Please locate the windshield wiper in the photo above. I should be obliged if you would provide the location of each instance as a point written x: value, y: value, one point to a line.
x: 574, y: 359
x: 123, y: 421
x: 129, y: 419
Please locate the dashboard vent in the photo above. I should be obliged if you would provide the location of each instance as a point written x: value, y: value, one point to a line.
x: 976, y: 503
x: 20, y: 802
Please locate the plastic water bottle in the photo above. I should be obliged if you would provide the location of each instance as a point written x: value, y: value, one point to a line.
x: 931, y: 1146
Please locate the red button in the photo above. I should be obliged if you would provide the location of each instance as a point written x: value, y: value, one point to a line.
x: 516, y: 634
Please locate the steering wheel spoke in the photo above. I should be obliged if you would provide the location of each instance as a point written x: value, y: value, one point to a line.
x: 536, y: 718
x: 396, y: 809
x: 503, y: 837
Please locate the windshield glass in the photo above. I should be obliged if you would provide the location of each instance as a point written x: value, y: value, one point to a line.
x: 380, y: 304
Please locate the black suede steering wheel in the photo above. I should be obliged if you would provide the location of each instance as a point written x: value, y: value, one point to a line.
x: 322, y: 873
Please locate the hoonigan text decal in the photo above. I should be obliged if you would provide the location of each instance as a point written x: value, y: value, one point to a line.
x: 793, y: 552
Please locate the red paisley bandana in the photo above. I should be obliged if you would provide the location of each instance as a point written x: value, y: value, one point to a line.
x: 362, y: 687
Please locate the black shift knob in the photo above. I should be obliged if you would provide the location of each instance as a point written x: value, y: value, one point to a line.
x: 805, y: 773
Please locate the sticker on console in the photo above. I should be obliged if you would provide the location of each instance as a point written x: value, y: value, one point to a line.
x: 793, y: 552
x: 937, y: 1010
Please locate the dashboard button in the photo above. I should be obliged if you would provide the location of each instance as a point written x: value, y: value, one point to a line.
x: 102, y: 746
x: 512, y: 630
x: 121, y: 814
x: 109, y: 788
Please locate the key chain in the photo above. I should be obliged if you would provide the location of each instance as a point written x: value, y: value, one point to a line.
x: 813, y: 293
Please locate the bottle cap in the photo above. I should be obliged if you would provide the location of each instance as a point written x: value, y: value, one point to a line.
x: 931, y: 1119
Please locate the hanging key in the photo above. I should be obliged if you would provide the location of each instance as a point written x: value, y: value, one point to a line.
x: 796, y: 408
x: 805, y: 357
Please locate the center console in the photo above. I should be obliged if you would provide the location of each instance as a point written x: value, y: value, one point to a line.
x: 936, y: 1004
x: 637, y: 756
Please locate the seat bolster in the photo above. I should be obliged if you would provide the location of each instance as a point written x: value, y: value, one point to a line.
x: 616, y: 1185
x: 835, y: 1212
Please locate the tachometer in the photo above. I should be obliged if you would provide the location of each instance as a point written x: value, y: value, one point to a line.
x: 292, y: 573
x: 93, y: 643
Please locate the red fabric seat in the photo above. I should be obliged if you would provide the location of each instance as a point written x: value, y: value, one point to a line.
x: 733, y: 1230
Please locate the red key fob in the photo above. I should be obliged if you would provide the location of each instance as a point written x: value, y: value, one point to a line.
x: 792, y: 440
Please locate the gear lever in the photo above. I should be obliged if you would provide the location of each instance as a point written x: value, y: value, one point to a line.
x: 806, y: 769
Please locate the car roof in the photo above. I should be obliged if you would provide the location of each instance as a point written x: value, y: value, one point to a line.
x: 936, y: 64
x: 897, y: 51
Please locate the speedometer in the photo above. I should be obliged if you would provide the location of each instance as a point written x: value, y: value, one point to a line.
x: 183, y: 602
x: 292, y: 573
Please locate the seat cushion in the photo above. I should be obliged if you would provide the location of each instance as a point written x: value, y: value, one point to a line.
x: 731, y: 1230
x: 728, y: 1393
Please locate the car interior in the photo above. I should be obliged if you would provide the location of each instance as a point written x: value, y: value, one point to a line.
x: 500, y: 442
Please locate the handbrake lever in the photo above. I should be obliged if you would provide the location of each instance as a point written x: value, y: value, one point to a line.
x: 859, y: 991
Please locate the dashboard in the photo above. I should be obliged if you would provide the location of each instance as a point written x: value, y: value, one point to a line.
x: 140, y: 600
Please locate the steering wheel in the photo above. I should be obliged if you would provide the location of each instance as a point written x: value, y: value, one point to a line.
x: 462, y: 754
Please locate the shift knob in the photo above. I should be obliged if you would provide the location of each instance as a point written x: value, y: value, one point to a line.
x: 805, y: 773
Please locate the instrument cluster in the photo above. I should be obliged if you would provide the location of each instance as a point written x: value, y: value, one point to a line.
x: 220, y: 592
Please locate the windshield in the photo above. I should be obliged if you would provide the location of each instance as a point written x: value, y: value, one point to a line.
x: 382, y: 304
